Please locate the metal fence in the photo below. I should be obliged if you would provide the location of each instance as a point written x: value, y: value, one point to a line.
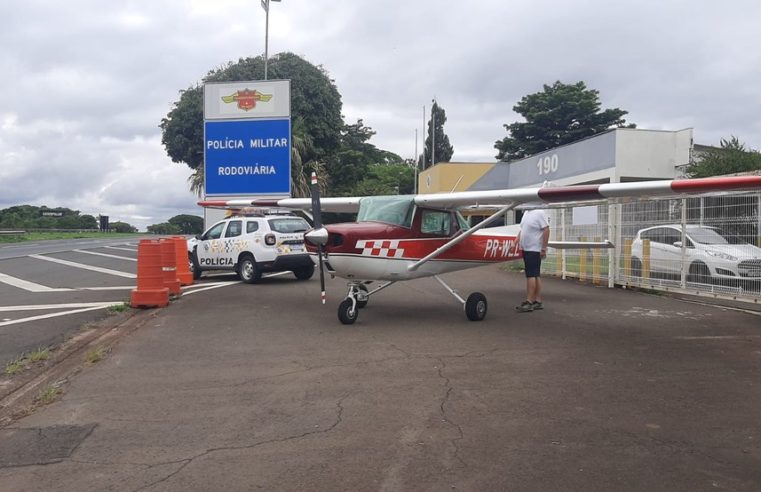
x: 705, y: 245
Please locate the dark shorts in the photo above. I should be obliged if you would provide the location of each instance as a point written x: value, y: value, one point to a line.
x: 532, y: 261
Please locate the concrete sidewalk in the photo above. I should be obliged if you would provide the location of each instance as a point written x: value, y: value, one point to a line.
x: 260, y: 387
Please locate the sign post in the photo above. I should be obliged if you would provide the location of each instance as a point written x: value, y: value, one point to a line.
x: 247, y: 139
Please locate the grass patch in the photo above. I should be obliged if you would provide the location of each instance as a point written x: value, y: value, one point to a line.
x: 118, y: 308
x: 38, y: 355
x: 96, y: 355
x: 23, y: 361
x: 45, y: 236
x: 15, y: 366
x: 48, y: 395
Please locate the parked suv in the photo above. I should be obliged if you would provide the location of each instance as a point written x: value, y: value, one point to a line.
x: 709, y: 254
x: 251, y: 244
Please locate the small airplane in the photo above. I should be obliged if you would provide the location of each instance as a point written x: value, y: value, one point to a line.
x: 404, y: 237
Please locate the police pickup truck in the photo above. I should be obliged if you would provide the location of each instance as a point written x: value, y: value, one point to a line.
x: 253, y: 242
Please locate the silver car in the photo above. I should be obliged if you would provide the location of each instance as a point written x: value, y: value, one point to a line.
x: 709, y: 253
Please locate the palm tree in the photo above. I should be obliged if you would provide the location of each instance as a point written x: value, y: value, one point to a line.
x: 301, y: 171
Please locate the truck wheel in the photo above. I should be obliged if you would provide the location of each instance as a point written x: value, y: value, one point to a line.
x: 248, y: 270
x: 195, y: 269
x: 304, y: 273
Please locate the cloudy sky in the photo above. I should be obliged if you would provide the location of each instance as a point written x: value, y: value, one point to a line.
x: 85, y: 83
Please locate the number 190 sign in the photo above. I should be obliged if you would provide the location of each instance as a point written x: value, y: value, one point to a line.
x: 247, y: 138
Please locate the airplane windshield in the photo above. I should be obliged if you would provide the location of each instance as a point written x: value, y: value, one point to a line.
x: 395, y: 210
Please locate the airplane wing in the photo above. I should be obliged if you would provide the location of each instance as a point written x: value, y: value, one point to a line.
x: 329, y: 204
x: 535, y: 197
x: 587, y: 193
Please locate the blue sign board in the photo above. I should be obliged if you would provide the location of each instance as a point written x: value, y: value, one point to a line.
x: 247, y: 157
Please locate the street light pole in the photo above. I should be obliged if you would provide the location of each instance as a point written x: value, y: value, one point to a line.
x: 433, y: 132
x: 266, y: 7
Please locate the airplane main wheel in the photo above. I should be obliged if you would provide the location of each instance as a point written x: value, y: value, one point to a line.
x: 475, y: 306
x: 347, y: 314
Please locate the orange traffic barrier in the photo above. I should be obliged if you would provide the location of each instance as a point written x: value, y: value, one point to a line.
x: 150, y: 291
x: 169, y: 266
x: 184, y: 275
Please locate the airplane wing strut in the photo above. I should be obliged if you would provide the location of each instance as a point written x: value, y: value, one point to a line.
x: 458, y: 239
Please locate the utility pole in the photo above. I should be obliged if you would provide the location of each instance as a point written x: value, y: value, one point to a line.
x: 266, y: 7
x: 433, y: 132
x: 414, y: 160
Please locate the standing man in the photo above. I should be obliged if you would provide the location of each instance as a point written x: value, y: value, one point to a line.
x: 533, y: 238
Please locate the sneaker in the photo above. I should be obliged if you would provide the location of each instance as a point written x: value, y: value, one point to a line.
x: 537, y: 305
x: 525, y: 307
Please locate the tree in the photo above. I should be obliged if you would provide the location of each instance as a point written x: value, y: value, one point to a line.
x: 350, y: 165
x: 387, y: 179
x: 187, y: 224
x: 443, y: 150
x: 314, y: 100
x: 164, y: 229
x: 731, y: 157
x: 122, y: 227
x: 559, y: 115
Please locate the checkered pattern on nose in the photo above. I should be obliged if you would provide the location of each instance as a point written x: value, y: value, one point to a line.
x: 385, y: 248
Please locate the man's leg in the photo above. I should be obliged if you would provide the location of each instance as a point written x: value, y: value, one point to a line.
x: 531, y: 288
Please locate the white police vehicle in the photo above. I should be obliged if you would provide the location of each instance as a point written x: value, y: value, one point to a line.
x: 253, y: 242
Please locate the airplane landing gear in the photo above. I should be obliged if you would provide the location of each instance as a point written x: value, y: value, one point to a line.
x: 356, y: 298
x: 475, y: 306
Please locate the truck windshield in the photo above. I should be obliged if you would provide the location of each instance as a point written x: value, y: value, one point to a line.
x: 288, y: 225
x: 396, y: 210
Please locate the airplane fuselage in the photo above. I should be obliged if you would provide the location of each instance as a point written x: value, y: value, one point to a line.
x: 380, y: 251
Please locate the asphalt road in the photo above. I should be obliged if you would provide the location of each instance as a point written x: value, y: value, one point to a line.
x: 260, y: 387
x: 49, y: 289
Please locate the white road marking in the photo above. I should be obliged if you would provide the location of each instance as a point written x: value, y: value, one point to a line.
x: 26, y: 285
x: 719, y: 337
x: 104, y: 254
x: 72, y: 305
x: 209, y: 287
x: 85, y: 267
x: 54, y: 315
x: 122, y: 249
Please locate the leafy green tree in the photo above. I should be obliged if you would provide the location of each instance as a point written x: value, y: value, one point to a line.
x: 186, y: 224
x: 122, y: 227
x: 731, y: 157
x: 559, y: 115
x: 165, y: 229
x: 387, y: 179
x: 443, y: 150
x: 314, y: 100
x: 350, y: 165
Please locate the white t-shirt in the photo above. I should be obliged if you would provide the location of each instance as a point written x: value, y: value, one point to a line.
x: 533, y: 224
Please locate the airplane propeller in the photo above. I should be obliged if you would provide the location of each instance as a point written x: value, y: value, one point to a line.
x: 318, y: 235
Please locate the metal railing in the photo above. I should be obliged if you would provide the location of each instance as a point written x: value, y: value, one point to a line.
x: 705, y: 245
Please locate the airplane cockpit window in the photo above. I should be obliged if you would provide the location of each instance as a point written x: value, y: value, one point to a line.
x: 396, y: 210
x: 462, y: 222
x: 436, y: 222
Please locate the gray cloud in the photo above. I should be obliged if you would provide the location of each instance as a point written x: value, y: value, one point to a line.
x: 85, y: 84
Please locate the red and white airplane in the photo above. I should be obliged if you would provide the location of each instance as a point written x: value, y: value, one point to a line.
x: 403, y: 237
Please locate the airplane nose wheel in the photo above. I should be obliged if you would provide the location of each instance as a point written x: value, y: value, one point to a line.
x: 356, y: 298
x: 348, y: 311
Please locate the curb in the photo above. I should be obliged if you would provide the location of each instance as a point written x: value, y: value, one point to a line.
x: 18, y: 393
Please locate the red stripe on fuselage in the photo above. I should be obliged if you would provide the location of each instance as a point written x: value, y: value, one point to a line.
x: 566, y: 194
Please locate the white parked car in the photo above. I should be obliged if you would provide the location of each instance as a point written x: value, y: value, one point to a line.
x: 252, y: 244
x: 709, y: 253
